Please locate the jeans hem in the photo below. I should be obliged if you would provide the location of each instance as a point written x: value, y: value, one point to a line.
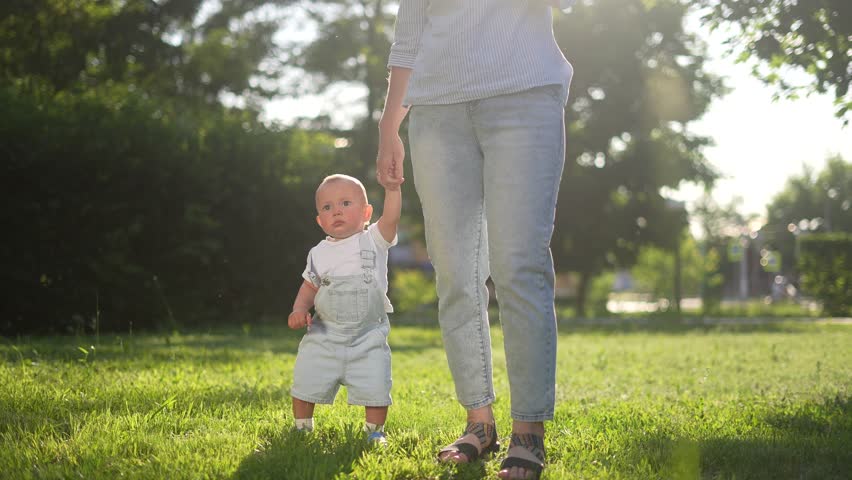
x: 478, y: 404
x: 532, y: 418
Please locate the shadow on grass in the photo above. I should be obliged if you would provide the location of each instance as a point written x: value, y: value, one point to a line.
x: 317, y: 455
x: 811, y: 442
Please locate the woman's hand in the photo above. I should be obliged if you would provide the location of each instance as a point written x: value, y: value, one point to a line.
x: 389, y: 159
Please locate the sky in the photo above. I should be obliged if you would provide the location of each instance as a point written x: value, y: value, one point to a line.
x: 759, y: 143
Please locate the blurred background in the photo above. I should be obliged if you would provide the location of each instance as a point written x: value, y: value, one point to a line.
x: 159, y: 158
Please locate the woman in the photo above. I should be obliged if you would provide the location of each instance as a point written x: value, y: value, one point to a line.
x: 487, y: 86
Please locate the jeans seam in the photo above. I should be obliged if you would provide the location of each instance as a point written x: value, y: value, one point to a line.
x: 478, y: 275
x: 551, y: 340
x: 483, y: 325
x: 547, y: 303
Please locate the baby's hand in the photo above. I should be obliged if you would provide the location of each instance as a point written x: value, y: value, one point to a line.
x: 298, y: 320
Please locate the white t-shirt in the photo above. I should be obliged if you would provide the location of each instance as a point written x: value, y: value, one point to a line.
x: 338, y: 258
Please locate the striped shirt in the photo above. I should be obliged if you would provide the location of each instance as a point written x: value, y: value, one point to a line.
x: 463, y: 50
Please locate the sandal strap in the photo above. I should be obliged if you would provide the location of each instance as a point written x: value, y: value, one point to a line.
x: 531, y: 442
x: 486, y: 436
x: 523, y: 448
x: 485, y: 432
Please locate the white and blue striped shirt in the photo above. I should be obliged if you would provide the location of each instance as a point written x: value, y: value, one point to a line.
x: 463, y: 50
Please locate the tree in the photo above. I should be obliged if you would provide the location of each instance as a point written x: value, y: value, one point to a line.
x: 814, y: 36
x: 627, y: 138
x: 350, y: 49
x: 720, y: 225
x: 826, y: 271
x: 810, y: 202
x: 132, y: 195
x: 629, y: 106
x: 176, y: 48
x: 653, y: 271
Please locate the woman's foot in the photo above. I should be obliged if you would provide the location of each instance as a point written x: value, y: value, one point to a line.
x: 477, y: 440
x: 525, y: 457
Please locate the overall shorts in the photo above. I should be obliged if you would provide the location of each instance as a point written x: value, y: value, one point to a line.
x: 347, y: 343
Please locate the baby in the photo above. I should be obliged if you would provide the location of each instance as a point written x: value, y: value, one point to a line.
x: 346, y: 283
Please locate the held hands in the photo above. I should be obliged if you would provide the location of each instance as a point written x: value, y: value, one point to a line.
x: 389, y: 160
x: 299, y: 319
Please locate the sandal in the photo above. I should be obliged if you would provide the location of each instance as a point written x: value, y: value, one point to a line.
x: 478, y: 439
x: 525, y: 451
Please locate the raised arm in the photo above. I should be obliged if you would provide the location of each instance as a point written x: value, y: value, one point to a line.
x: 389, y: 221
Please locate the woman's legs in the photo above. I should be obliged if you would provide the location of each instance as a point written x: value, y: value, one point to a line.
x: 522, y: 138
x: 447, y: 167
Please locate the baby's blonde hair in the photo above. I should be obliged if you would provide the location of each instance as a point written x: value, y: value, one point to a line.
x: 339, y: 177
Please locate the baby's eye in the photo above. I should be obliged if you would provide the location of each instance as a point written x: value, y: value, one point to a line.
x: 326, y: 207
x: 346, y: 203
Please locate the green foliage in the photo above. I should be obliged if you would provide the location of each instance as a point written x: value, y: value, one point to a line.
x: 411, y: 290
x: 132, y: 195
x: 713, y: 280
x: 736, y: 401
x: 812, y: 201
x: 654, y: 270
x: 759, y: 309
x: 826, y: 268
x: 628, y: 108
x: 815, y: 36
x: 161, y: 213
x: 350, y: 49
x: 627, y: 115
x: 720, y: 224
x: 179, y: 48
x: 599, y: 291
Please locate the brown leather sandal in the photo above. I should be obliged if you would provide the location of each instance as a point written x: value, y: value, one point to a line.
x: 477, y: 440
x: 526, y: 451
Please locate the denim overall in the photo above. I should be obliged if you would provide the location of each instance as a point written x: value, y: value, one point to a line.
x: 347, y: 342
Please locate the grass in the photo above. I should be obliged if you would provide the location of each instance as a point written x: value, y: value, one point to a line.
x: 635, y: 400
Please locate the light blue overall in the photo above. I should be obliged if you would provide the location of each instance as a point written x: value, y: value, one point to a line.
x: 347, y: 343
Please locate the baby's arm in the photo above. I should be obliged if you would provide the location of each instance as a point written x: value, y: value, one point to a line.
x: 301, y: 315
x: 389, y: 221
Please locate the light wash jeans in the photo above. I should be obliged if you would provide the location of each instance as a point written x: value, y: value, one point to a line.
x: 487, y: 173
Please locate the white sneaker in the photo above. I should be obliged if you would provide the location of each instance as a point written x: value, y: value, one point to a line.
x: 377, y: 438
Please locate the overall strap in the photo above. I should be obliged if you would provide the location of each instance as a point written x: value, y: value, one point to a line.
x: 368, y: 257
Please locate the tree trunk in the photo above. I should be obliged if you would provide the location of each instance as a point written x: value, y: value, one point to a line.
x: 677, y: 276
x: 582, y: 293
x: 375, y: 89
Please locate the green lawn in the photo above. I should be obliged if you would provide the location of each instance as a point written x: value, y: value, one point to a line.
x: 634, y: 401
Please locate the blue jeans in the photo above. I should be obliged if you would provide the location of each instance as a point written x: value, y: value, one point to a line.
x: 487, y: 173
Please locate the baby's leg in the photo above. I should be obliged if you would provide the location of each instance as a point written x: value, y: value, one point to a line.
x: 375, y: 425
x: 376, y: 415
x: 303, y: 413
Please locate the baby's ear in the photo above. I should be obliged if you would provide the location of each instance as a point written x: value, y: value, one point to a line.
x: 368, y: 212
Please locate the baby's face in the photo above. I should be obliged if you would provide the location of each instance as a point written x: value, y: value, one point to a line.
x: 342, y: 209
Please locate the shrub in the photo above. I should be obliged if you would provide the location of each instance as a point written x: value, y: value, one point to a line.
x: 412, y: 289
x: 825, y: 264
